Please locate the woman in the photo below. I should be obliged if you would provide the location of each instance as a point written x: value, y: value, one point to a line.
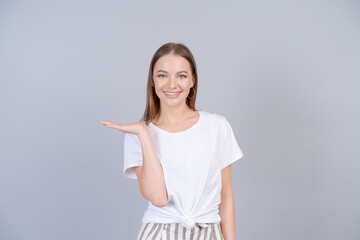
x: 181, y: 156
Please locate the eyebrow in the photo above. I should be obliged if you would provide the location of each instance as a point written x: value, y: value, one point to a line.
x: 167, y: 72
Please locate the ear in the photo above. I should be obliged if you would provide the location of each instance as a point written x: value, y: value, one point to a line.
x: 193, y: 80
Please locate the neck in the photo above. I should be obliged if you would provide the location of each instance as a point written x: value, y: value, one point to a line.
x: 168, y: 115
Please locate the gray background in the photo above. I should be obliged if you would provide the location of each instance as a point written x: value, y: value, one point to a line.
x: 285, y: 74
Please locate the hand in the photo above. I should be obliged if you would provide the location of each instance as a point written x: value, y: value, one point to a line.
x: 134, y: 128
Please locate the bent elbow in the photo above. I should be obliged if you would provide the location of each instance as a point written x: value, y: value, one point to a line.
x: 160, y: 203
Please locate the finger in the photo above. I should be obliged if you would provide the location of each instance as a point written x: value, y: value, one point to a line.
x: 113, y: 125
x: 103, y: 122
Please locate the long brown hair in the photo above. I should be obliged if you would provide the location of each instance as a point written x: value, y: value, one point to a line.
x: 152, y: 101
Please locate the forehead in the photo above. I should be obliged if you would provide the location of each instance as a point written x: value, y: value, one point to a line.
x: 172, y: 62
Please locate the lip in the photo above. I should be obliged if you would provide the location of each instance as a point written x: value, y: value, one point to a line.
x: 172, y: 96
x: 172, y: 92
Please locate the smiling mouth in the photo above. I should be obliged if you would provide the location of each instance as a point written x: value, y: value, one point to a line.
x: 172, y: 93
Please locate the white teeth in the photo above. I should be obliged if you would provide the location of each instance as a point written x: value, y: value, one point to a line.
x: 172, y: 93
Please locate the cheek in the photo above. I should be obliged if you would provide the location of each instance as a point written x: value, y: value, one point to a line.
x: 159, y: 83
x: 187, y: 84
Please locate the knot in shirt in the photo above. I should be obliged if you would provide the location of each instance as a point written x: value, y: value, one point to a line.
x: 188, y: 222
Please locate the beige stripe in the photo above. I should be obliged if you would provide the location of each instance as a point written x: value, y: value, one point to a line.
x: 206, y: 233
x: 192, y: 233
x: 141, y: 234
x: 156, y: 233
x: 184, y: 233
x: 152, y: 230
x: 196, y: 232
x: 172, y: 231
x: 167, y: 231
x: 201, y: 230
x: 176, y: 232
x: 208, y: 237
x: 163, y: 231
x: 213, y: 236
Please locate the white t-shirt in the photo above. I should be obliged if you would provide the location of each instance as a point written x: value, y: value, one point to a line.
x: 192, y: 161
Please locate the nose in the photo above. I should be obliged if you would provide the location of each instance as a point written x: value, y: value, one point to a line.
x: 172, y: 82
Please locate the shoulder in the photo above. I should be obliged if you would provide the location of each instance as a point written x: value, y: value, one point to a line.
x: 214, y: 117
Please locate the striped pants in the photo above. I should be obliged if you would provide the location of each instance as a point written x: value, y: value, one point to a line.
x: 176, y: 231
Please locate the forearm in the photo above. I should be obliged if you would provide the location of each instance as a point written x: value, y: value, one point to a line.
x: 227, y: 214
x: 152, y: 177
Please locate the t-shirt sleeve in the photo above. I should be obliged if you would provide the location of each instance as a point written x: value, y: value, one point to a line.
x: 229, y: 148
x: 132, y: 155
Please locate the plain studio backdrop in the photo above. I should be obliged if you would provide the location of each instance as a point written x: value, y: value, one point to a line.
x: 284, y: 73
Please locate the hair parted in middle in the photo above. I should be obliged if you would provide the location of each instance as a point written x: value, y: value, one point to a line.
x: 152, y: 101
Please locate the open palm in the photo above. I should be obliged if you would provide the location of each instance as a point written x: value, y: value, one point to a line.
x: 134, y: 128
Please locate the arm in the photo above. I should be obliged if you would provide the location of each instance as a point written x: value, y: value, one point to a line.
x: 150, y: 175
x: 226, y: 207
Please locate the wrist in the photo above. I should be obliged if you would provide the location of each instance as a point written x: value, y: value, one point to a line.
x: 144, y: 131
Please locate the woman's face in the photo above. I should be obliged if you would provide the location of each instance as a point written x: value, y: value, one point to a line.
x: 173, y: 79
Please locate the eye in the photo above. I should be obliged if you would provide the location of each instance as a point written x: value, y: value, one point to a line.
x: 184, y: 76
x: 160, y: 75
